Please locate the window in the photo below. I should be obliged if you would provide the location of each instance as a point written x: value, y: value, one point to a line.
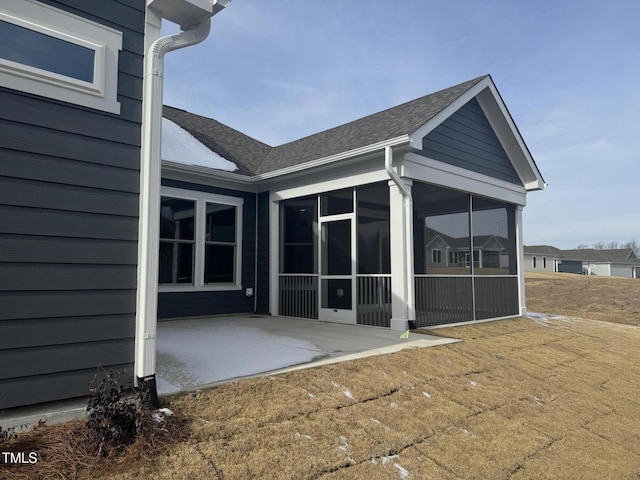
x: 534, y: 262
x: 200, y: 241
x: 177, y: 240
x: 52, y: 53
x: 436, y: 256
x: 544, y: 262
x: 220, y: 241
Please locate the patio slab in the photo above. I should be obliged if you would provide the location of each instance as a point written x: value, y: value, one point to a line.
x: 203, y: 352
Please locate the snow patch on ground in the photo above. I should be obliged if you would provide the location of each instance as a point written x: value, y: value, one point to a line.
x: 344, y: 444
x: 192, y: 355
x: 180, y: 146
x: 347, y: 393
x: 404, y: 473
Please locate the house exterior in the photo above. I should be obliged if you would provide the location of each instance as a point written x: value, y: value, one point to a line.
x: 412, y: 214
x: 409, y: 214
x: 541, y: 258
x: 621, y: 262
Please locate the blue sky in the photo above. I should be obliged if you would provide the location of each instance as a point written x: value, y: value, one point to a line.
x: 569, y: 72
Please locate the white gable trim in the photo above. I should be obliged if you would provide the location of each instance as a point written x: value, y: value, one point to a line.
x: 500, y: 120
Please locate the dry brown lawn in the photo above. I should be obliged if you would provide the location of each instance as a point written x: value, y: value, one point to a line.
x: 611, y: 299
x: 517, y: 399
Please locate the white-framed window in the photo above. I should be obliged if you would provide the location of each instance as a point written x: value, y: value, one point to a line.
x: 436, y: 256
x: 55, y: 54
x: 544, y: 262
x: 534, y: 262
x: 200, y: 241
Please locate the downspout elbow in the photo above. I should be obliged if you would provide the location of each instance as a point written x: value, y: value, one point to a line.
x: 163, y: 45
x: 388, y: 165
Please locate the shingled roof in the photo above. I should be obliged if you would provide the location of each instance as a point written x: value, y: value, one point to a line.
x: 254, y: 157
x: 246, y: 152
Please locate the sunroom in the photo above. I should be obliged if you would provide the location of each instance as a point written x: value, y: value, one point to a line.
x: 410, y: 216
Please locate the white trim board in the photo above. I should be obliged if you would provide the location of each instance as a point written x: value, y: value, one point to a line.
x: 424, y: 169
x: 106, y: 43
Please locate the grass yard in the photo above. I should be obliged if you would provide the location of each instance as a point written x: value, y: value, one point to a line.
x: 611, y: 299
x: 517, y: 399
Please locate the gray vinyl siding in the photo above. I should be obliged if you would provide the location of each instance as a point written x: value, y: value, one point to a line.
x: 69, y: 180
x: 466, y: 140
x: 191, y: 304
x: 263, y: 254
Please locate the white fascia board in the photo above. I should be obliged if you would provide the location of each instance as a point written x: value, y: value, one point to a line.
x: 424, y: 169
x: 199, y: 174
x: 392, y: 142
x: 185, y: 13
x: 208, y: 176
x: 503, y: 125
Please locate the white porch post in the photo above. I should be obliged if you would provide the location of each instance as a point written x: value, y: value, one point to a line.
x: 520, y: 260
x: 401, y: 241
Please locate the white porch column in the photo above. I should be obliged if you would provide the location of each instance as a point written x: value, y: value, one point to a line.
x: 401, y: 241
x: 520, y: 259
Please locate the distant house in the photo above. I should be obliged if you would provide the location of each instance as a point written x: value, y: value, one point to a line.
x: 621, y: 262
x: 541, y: 258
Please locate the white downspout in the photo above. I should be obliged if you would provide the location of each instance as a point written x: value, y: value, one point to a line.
x: 406, y: 211
x: 149, y: 223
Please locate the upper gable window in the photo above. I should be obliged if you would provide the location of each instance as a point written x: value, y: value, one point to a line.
x: 55, y: 54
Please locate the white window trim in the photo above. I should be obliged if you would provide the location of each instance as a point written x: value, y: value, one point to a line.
x: 104, y: 41
x: 201, y: 199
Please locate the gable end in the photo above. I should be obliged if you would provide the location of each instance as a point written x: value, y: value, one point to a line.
x: 467, y: 140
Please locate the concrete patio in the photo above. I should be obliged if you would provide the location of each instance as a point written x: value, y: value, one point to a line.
x: 197, y: 353
x: 202, y: 352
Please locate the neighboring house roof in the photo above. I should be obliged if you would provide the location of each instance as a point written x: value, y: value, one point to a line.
x: 618, y: 255
x: 541, y: 250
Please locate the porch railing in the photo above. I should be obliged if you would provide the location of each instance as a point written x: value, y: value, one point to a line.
x: 298, y: 295
x: 496, y: 296
x: 374, y: 300
x: 444, y: 299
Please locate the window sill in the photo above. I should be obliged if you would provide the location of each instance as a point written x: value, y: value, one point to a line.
x: 223, y: 287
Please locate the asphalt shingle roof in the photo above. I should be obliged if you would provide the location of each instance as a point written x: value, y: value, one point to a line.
x: 246, y: 152
x: 254, y: 157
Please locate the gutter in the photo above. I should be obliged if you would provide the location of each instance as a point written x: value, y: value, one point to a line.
x: 253, y: 179
x: 149, y: 223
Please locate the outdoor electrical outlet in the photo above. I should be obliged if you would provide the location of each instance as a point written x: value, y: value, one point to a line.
x: 249, y: 292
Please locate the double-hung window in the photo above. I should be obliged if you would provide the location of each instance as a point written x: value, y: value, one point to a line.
x: 200, y: 241
x: 56, y: 54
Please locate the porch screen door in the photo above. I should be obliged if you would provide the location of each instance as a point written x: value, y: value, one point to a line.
x: 337, y: 295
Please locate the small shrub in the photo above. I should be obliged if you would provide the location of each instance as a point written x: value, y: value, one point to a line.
x: 113, y: 418
x: 7, y: 434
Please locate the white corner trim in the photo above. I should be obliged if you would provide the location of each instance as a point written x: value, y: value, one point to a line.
x: 105, y: 42
x: 432, y: 171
